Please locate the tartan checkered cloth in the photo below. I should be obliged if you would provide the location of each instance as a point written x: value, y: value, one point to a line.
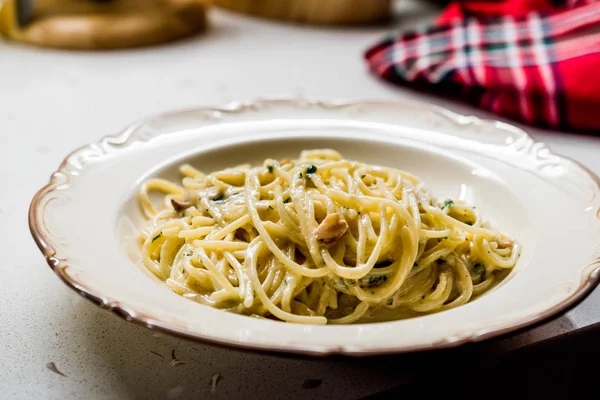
x: 542, y: 68
x: 459, y: 10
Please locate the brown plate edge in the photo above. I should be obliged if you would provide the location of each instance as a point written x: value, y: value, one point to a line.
x: 35, y: 219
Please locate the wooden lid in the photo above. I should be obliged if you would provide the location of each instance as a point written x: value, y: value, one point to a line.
x: 86, y: 25
x: 323, y: 12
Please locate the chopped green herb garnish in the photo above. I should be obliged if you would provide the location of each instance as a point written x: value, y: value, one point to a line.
x: 375, y: 280
x: 345, y: 208
x: 188, y: 254
x: 156, y: 237
x: 448, y: 203
x: 310, y: 171
x: 300, y: 175
x: 270, y: 168
x: 478, y: 272
x: 390, y: 301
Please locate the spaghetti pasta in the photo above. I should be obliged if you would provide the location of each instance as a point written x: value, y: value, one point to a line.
x: 319, y: 240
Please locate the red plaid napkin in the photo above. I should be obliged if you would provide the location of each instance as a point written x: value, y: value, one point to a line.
x: 541, y: 67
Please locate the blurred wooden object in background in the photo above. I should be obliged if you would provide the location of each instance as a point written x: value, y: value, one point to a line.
x: 96, y: 25
x: 324, y: 12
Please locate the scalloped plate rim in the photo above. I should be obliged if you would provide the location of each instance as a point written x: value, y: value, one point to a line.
x: 35, y: 220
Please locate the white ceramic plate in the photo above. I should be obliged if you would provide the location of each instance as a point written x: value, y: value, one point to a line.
x: 84, y: 219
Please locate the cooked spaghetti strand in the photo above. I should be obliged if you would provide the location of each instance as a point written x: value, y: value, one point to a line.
x: 318, y: 240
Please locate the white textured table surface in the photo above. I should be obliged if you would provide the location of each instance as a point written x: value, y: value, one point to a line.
x: 52, y: 102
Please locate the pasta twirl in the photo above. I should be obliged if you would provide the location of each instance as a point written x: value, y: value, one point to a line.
x: 319, y: 240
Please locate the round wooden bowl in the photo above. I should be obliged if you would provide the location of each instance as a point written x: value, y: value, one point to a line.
x: 324, y: 12
x: 84, y: 25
